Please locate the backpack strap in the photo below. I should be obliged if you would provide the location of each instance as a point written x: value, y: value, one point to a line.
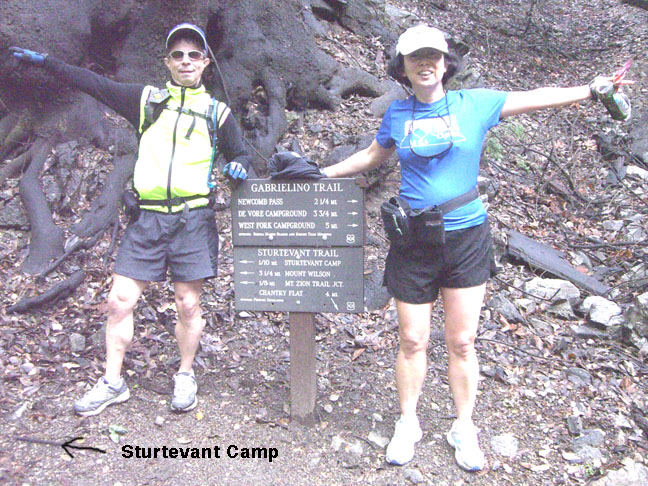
x: 156, y: 101
x: 214, y: 120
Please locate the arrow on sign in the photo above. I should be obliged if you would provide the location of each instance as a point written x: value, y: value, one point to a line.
x: 352, y: 225
x: 244, y: 282
x: 353, y: 214
x: 353, y: 201
x: 334, y: 304
x: 65, y: 445
x: 246, y: 273
x: 246, y: 261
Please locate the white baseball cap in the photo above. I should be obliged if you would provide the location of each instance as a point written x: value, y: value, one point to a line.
x: 198, y: 32
x: 419, y: 37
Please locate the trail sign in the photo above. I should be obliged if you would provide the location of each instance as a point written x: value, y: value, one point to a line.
x: 298, y: 245
x: 299, y: 279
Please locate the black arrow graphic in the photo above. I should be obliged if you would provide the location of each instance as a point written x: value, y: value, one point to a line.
x: 67, y: 444
x: 64, y: 445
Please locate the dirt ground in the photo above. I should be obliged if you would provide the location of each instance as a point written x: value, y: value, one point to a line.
x: 243, y: 405
x: 527, y: 387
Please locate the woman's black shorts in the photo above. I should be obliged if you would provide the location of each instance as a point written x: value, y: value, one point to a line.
x: 415, y: 274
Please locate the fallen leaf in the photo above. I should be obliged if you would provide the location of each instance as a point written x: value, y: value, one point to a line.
x: 357, y: 353
x: 117, y: 429
x: 535, y: 468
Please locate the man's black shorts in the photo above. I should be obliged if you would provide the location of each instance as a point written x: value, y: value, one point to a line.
x: 415, y: 274
x: 160, y: 241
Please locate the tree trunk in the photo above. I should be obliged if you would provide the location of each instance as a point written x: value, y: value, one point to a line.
x: 267, y: 62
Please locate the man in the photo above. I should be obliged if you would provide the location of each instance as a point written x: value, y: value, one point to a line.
x: 174, y: 227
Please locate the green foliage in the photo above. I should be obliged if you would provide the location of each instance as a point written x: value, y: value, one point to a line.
x: 494, y: 149
x: 591, y: 470
x: 509, y: 133
x: 516, y: 129
x: 115, y: 432
x: 522, y: 163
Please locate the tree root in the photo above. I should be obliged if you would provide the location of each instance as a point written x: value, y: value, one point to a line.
x: 345, y: 82
x: 106, y: 206
x: 78, y: 244
x: 14, y: 168
x: 113, y: 243
x: 104, y: 211
x: 275, y: 124
x: 46, y: 239
x: 14, y: 130
x: 348, y: 81
x: 59, y: 291
x: 7, y: 123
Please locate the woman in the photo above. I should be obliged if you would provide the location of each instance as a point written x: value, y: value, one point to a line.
x: 438, y: 136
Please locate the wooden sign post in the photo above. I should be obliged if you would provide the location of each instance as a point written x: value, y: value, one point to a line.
x: 303, y: 366
x: 299, y: 248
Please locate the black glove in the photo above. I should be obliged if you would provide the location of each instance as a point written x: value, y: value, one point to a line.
x: 28, y: 56
x: 291, y: 165
x: 130, y: 205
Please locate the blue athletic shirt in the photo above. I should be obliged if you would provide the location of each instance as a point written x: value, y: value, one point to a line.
x: 469, y: 115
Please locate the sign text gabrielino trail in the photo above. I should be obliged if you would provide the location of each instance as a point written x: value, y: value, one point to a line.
x: 298, y: 245
x: 298, y: 213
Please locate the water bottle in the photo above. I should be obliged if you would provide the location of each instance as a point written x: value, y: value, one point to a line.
x: 617, y: 104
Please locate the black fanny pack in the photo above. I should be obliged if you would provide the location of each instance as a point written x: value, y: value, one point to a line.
x: 427, y: 225
x: 396, y: 220
x: 405, y: 226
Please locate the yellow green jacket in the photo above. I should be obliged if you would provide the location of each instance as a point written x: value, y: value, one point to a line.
x: 174, y: 152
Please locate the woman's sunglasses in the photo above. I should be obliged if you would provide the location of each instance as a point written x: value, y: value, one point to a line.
x: 439, y: 155
x: 443, y: 152
x: 193, y: 55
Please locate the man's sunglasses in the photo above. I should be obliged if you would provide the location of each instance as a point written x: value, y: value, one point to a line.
x: 193, y: 55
